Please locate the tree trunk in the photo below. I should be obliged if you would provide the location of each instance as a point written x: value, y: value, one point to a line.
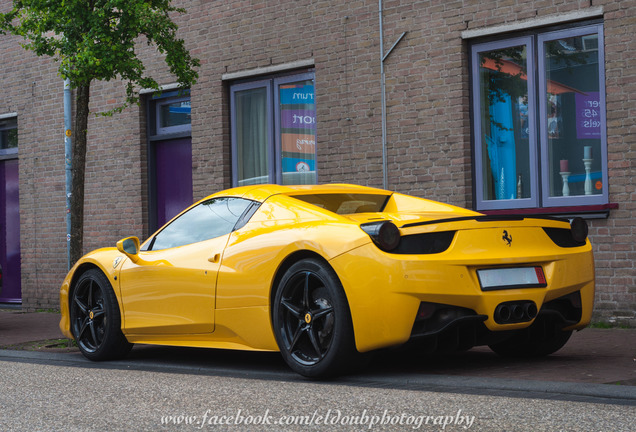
x: 79, y: 168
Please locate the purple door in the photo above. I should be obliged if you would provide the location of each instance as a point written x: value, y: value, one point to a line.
x: 11, y: 291
x: 173, y: 160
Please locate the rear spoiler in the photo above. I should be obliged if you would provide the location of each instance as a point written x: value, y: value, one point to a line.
x: 484, y: 218
x: 578, y: 227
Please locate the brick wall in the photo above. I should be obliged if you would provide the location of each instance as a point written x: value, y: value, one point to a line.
x: 614, y: 239
x: 428, y: 118
x: 37, y: 102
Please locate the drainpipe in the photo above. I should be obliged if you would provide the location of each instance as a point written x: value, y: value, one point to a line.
x: 68, y: 166
x: 383, y: 57
x: 383, y: 100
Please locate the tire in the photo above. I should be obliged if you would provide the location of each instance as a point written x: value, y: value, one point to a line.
x: 539, y: 340
x: 312, y: 321
x: 95, y: 318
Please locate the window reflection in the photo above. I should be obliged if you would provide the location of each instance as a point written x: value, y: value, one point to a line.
x: 573, y: 116
x: 174, y: 114
x: 8, y: 134
x: 539, y: 109
x: 298, y: 132
x: 504, y: 117
x: 210, y: 219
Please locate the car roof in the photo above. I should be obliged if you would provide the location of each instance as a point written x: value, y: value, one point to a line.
x: 262, y: 192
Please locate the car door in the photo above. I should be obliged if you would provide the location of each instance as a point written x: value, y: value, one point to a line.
x: 170, y: 289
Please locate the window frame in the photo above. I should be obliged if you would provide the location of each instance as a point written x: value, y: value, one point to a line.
x: 170, y: 129
x: 478, y: 147
x: 278, y: 147
x: 9, y: 123
x: 540, y: 200
x: 575, y: 200
x: 154, y: 135
x: 153, y: 113
x: 274, y: 145
x: 267, y: 84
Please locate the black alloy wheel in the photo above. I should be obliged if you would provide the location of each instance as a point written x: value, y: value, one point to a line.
x: 95, y: 318
x: 312, y: 322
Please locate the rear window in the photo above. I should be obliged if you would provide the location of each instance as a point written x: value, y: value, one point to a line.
x: 346, y: 203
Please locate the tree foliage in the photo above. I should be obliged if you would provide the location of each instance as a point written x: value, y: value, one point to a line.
x: 95, y: 40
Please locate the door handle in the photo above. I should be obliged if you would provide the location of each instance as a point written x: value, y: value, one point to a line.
x: 215, y: 258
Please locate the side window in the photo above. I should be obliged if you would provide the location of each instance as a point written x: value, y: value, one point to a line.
x: 210, y: 219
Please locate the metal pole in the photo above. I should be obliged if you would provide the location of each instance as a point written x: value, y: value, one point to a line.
x: 68, y: 166
x: 385, y: 181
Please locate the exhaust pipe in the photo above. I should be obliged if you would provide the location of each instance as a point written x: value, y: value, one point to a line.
x: 502, y: 313
x: 515, y: 312
x: 530, y: 310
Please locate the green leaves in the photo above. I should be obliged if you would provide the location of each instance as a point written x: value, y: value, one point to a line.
x: 96, y: 39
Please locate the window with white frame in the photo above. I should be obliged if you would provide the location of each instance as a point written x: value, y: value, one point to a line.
x: 274, y: 131
x: 539, y: 120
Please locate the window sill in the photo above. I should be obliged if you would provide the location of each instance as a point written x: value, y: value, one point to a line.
x: 169, y: 136
x: 587, y: 212
x: 11, y: 153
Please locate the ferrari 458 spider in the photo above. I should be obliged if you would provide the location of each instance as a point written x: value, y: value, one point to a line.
x: 324, y: 273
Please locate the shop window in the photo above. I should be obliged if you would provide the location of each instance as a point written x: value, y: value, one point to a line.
x: 274, y: 131
x: 539, y: 120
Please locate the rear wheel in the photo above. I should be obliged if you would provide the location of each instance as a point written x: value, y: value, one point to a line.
x: 540, y: 339
x: 95, y: 318
x: 312, y: 322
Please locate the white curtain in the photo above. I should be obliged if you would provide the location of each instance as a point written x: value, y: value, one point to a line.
x: 251, y: 136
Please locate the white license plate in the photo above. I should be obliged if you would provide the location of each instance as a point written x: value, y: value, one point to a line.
x: 508, y: 278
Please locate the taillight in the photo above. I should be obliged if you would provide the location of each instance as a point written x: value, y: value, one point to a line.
x: 384, y: 234
x: 574, y: 237
x: 579, y: 229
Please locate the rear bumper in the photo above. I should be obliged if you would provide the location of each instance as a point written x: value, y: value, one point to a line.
x: 439, y: 327
x: 385, y: 291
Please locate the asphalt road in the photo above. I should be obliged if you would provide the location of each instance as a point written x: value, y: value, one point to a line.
x: 189, y: 389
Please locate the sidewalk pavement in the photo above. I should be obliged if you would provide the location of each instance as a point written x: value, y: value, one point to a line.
x: 600, y: 356
x: 17, y: 327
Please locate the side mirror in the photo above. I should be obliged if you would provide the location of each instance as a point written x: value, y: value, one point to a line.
x: 130, y: 247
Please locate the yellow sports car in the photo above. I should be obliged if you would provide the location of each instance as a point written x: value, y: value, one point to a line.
x: 323, y: 273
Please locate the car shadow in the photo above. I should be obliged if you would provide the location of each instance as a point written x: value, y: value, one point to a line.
x: 477, y: 362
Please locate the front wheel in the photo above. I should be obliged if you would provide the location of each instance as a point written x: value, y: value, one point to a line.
x: 312, y: 321
x: 95, y: 318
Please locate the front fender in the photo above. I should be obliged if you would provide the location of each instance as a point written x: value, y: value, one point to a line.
x: 109, y: 261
